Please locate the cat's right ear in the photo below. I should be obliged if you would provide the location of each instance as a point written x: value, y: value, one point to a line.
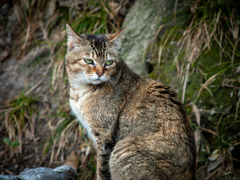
x: 73, y: 39
x: 114, y: 40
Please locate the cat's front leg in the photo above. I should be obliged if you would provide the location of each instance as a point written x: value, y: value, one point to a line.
x: 103, y: 155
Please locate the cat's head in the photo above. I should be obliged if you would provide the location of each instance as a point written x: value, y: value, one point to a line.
x: 92, y: 59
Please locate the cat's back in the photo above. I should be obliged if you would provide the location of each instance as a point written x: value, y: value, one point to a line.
x: 155, y: 102
x: 153, y: 107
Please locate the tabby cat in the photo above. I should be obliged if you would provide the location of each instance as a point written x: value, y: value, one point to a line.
x: 138, y: 126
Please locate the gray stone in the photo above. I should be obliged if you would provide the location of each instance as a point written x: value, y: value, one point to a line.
x: 8, y: 177
x: 141, y: 24
x: 69, y: 170
x: 64, y: 172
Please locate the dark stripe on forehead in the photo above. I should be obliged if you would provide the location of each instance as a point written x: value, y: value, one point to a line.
x: 98, y: 43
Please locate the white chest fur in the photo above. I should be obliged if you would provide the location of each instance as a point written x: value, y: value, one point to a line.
x: 77, y: 109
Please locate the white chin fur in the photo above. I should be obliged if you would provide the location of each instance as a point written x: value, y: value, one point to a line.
x: 96, y: 82
x: 104, y: 78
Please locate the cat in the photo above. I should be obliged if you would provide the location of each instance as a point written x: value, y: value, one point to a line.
x: 138, y: 126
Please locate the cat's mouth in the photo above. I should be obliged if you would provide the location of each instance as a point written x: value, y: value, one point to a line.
x: 98, y: 80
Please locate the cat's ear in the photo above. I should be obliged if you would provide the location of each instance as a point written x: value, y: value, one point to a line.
x: 114, y: 40
x: 73, y: 39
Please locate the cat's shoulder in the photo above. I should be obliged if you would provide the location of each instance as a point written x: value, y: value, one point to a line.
x: 158, y: 91
x: 156, y: 86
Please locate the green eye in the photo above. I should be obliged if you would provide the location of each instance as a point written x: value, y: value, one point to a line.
x: 108, y: 62
x: 89, y: 61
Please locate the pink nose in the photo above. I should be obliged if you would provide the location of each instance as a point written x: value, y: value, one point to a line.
x: 99, y: 73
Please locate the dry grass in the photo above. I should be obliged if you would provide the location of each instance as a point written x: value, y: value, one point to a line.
x: 19, y: 118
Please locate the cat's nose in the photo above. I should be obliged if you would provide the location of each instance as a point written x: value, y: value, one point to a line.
x: 99, y: 73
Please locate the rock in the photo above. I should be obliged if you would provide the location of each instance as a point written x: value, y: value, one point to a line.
x: 8, y: 177
x: 64, y: 172
x: 69, y: 170
x: 141, y: 24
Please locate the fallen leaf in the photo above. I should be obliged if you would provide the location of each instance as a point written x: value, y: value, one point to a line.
x: 214, y: 164
x: 215, y: 154
x: 72, y: 160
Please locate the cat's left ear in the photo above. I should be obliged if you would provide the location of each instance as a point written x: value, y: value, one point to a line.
x: 114, y: 39
x: 74, y: 40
